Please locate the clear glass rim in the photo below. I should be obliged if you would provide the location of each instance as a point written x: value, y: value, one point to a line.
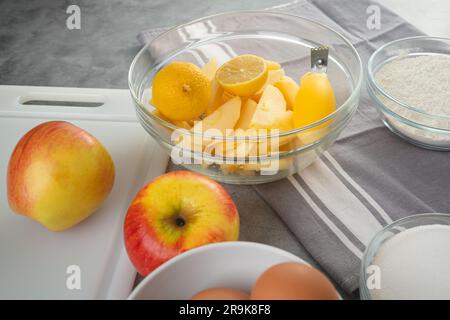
x: 354, y: 93
x: 379, y: 88
x: 364, y: 292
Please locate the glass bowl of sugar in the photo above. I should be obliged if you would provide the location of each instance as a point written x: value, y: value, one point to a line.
x: 408, y: 259
x: 409, y: 82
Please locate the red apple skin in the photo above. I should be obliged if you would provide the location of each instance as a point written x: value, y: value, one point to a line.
x: 58, y: 175
x: 150, y: 231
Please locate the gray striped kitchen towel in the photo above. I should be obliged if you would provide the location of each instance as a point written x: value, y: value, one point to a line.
x: 369, y: 177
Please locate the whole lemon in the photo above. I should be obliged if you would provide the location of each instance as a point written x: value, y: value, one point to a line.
x: 181, y: 91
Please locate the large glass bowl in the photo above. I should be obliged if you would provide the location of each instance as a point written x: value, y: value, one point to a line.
x: 280, y: 37
x: 424, y: 129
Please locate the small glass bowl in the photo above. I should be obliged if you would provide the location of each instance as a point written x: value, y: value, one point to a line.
x: 387, y: 233
x: 431, y: 131
x: 280, y: 37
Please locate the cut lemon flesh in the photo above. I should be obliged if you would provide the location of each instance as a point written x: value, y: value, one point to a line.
x: 243, y: 75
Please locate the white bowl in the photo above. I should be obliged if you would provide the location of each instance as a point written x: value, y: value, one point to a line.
x: 234, y: 264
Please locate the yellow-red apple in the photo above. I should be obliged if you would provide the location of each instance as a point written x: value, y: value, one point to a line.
x: 175, y: 212
x: 58, y: 175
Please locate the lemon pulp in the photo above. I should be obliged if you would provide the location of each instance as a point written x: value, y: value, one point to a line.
x: 243, y: 76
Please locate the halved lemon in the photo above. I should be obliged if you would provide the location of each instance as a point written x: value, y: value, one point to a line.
x: 243, y: 76
x: 181, y: 91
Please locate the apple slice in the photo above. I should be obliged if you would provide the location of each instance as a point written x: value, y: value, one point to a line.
x: 271, y: 105
x: 273, y: 77
x: 216, y: 97
x: 289, y: 88
x: 272, y: 65
x: 283, y: 121
x: 221, y: 148
x: 270, y: 165
x: 244, y: 147
x: 247, y: 111
x: 271, y: 113
x: 217, y: 123
x: 225, y: 117
x: 181, y: 124
x: 272, y: 100
x: 210, y: 68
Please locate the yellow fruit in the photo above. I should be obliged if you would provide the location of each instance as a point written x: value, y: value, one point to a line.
x: 279, y: 120
x: 272, y: 65
x: 247, y: 111
x: 221, y: 97
x: 229, y: 168
x: 225, y: 117
x: 180, y: 124
x: 315, y: 99
x: 217, y: 123
x: 243, y: 75
x: 226, y: 97
x: 215, y: 100
x: 271, y: 165
x: 223, y: 148
x: 271, y: 114
x: 210, y: 68
x: 273, y: 77
x: 289, y: 88
x: 271, y: 105
x: 181, y: 91
x: 245, y: 147
x: 283, y: 122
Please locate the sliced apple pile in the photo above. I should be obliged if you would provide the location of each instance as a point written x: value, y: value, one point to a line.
x: 247, y: 116
x: 249, y: 97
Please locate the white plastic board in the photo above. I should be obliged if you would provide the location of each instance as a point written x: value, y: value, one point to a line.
x: 33, y: 260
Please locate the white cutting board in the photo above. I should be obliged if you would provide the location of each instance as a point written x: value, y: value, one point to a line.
x: 33, y: 260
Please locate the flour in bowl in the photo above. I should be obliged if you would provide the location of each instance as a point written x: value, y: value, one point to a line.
x: 422, y: 82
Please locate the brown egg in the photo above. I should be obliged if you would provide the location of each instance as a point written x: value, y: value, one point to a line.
x: 221, y: 294
x: 293, y: 281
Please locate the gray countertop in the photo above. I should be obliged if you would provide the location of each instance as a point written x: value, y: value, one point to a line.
x: 36, y: 48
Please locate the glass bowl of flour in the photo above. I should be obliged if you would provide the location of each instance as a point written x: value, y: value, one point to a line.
x: 409, y: 81
x: 409, y: 259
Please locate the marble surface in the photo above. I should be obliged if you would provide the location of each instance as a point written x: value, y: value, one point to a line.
x: 37, y: 48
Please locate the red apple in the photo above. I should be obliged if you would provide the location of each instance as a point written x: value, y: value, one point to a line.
x: 175, y: 212
x: 58, y: 175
